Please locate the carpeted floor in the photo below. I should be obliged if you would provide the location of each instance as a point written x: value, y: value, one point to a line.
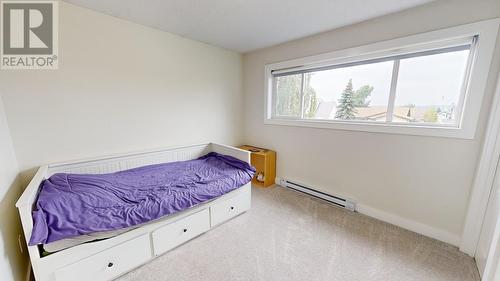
x: 290, y: 236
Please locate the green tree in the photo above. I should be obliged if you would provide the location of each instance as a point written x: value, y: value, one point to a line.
x: 346, y: 109
x: 288, y: 95
x: 310, y: 99
x: 431, y: 115
x: 288, y: 99
x: 360, y: 96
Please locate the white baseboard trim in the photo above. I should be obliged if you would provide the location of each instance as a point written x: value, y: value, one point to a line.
x: 420, y: 228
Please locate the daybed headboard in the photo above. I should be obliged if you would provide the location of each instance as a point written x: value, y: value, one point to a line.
x: 117, y: 163
x: 112, y: 164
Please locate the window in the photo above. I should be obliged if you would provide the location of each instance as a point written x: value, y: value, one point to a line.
x: 423, y: 87
x: 341, y: 93
x: 430, y: 89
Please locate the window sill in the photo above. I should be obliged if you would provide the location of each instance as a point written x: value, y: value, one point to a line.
x: 387, y: 128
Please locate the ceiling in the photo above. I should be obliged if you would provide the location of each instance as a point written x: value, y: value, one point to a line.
x: 246, y: 25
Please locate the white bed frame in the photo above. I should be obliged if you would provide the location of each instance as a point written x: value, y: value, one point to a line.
x: 110, y: 258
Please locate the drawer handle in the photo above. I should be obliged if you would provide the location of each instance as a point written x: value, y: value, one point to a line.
x: 110, y: 264
x: 185, y: 230
x: 232, y: 208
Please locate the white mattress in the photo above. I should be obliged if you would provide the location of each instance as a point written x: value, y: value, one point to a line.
x: 77, y: 240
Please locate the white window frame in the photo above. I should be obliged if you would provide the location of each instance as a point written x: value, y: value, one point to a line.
x: 481, y: 55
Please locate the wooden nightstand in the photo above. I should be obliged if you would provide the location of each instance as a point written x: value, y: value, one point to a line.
x: 264, y: 161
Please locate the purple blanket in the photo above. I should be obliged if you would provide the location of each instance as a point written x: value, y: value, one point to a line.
x: 71, y: 204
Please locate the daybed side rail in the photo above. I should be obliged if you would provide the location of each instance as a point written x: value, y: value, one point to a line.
x: 25, y: 207
x: 241, y: 154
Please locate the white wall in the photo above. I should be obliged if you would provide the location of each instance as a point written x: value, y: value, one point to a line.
x: 121, y: 87
x: 419, y: 182
x: 12, y: 262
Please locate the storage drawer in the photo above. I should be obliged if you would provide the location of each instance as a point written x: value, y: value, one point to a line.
x: 178, y: 232
x: 109, y: 263
x: 231, y: 207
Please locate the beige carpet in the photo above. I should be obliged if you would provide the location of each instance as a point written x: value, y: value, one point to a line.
x: 290, y: 236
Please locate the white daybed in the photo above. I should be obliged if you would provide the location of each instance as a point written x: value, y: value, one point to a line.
x: 112, y: 257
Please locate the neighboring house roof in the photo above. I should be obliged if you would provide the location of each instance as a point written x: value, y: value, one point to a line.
x: 402, y: 112
x: 327, y: 110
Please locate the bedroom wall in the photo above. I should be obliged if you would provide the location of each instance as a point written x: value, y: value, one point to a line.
x: 418, y: 182
x: 121, y: 87
x: 12, y: 261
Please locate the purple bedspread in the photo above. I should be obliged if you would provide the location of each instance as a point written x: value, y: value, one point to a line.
x: 71, y: 204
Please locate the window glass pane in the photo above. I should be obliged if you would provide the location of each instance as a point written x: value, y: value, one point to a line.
x: 429, y: 88
x: 359, y: 93
x: 287, y: 97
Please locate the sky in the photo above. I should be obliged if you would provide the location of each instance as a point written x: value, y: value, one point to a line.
x: 423, y: 81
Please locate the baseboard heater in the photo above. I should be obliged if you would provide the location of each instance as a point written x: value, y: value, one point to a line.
x: 338, y: 201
